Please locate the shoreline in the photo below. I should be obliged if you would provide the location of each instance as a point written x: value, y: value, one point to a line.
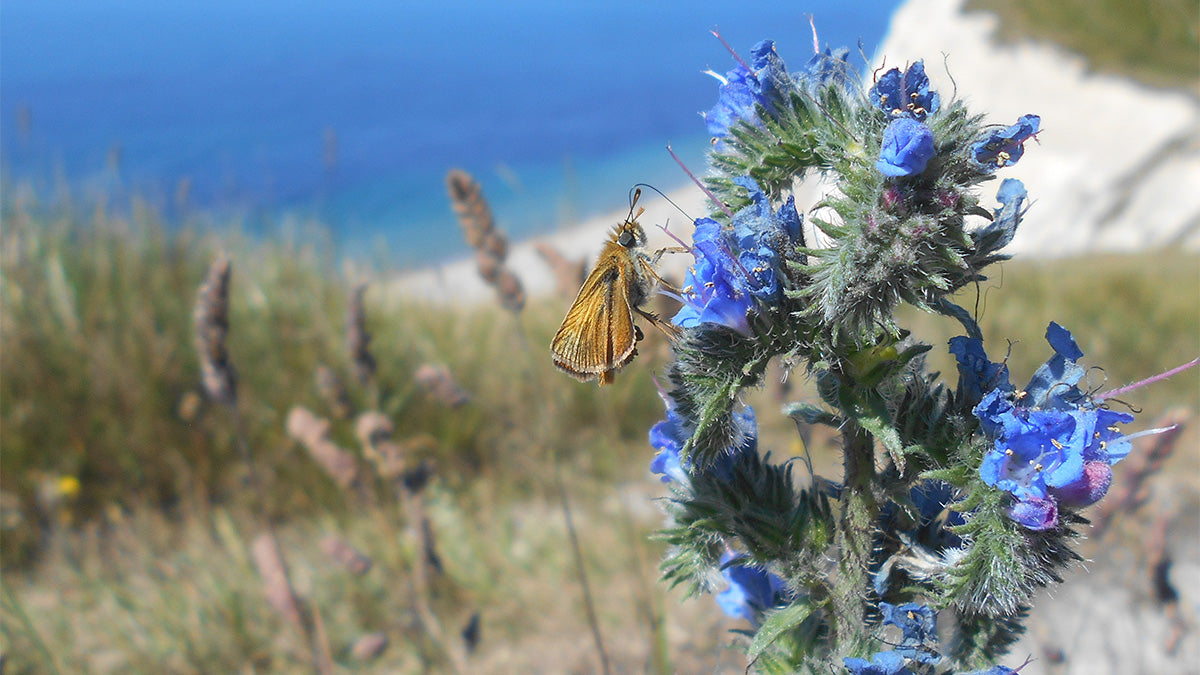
x: 1087, y: 195
x: 458, y: 281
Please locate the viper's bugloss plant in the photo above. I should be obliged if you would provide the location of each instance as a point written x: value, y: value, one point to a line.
x: 962, y: 495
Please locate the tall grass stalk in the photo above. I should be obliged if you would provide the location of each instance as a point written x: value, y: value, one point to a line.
x: 580, y: 569
x: 211, y: 320
x: 31, y: 631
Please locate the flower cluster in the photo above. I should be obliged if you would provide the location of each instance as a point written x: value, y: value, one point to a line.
x: 737, y: 267
x: 960, y: 498
x: 1053, y: 445
x: 918, y: 644
x: 907, y: 99
x: 745, y: 88
x: 750, y: 590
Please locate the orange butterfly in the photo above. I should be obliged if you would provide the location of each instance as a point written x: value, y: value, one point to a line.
x: 598, y: 335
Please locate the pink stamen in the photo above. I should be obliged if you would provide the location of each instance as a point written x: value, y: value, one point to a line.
x: 717, y: 35
x: 677, y: 240
x: 695, y: 180
x: 1148, y: 380
x: 816, y: 43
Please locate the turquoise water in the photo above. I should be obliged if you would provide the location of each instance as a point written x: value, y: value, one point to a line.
x: 353, y: 112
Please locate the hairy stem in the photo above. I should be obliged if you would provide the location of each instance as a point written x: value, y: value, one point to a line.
x: 854, y: 533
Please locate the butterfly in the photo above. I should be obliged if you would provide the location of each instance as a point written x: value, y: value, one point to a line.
x: 598, y: 335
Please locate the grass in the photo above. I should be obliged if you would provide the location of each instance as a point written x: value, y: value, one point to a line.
x: 1156, y: 42
x: 147, y: 569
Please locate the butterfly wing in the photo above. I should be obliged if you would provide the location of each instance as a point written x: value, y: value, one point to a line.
x: 597, y: 336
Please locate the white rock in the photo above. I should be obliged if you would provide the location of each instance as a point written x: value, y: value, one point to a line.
x: 1117, y: 165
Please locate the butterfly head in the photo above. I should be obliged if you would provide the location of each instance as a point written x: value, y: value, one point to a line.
x: 630, y: 235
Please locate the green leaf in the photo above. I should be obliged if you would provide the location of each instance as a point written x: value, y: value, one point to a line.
x: 777, y: 623
x: 804, y: 413
x: 886, y: 434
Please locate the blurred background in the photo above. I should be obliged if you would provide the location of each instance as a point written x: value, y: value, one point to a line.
x: 352, y: 115
x: 401, y: 485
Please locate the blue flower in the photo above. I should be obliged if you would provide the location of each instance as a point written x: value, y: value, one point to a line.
x: 714, y: 292
x: 918, y: 626
x: 1004, y: 147
x: 1052, y: 445
x: 1005, y: 220
x: 1034, y: 513
x: 976, y: 374
x: 741, y: 90
x: 882, y: 663
x: 738, y: 266
x: 828, y: 68
x: 907, y: 148
x: 751, y: 591
x: 1033, y: 454
x: 905, y: 95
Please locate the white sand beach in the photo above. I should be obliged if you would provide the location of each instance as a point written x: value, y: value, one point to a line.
x: 1116, y: 167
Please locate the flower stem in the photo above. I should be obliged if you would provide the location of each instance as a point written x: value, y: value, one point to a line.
x: 588, y: 604
x: 858, y: 512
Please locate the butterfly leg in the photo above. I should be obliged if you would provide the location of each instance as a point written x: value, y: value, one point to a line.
x: 669, y: 329
x: 669, y: 249
x: 670, y: 287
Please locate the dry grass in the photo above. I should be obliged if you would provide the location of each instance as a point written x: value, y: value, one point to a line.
x: 148, y: 568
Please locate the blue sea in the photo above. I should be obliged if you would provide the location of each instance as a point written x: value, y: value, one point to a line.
x: 351, y: 113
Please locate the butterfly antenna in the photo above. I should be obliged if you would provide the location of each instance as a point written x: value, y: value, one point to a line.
x: 669, y: 200
x: 635, y: 194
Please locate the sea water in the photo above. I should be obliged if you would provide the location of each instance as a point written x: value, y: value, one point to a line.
x: 352, y: 113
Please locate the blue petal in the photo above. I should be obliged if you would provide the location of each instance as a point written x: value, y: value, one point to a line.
x: 1053, y: 384
x: 1004, y: 147
x: 1011, y: 195
x: 976, y: 374
x: 1035, y: 514
x: 905, y: 95
x: 907, y: 148
x: 1061, y: 341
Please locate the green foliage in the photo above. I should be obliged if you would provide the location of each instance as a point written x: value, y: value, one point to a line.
x: 1153, y: 41
x: 916, y: 515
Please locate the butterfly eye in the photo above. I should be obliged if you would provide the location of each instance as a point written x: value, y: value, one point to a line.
x: 626, y: 239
